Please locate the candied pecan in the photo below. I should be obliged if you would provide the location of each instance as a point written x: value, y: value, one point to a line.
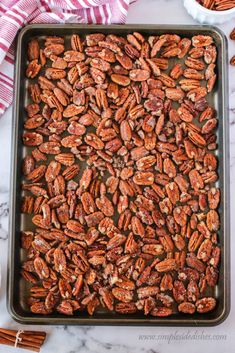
x: 161, y: 311
x: 186, y: 308
x: 205, y: 304
x: 166, y: 265
x: 39, y: 308
x: 32, y: 139
x: 125, y: 308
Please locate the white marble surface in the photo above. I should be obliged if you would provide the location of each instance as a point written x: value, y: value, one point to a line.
x: 126, y: 339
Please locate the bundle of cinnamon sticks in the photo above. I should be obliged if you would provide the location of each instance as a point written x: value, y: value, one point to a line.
x: 31, y: 340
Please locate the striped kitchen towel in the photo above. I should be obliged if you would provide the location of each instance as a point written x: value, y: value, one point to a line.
x: 14, y: 14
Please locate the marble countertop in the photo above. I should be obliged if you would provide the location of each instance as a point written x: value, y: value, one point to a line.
x: 63, y: 339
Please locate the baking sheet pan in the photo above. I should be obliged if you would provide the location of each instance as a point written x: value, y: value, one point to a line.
x: 17, y: 288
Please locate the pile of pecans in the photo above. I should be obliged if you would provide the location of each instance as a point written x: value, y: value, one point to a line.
x: 119, y: 176
x: 217, y: 5
x: 232, y: 36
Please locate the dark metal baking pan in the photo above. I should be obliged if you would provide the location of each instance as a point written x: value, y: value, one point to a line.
x: 17, y: 288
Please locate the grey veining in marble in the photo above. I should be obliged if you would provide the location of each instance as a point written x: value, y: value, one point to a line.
x: 126, y: 339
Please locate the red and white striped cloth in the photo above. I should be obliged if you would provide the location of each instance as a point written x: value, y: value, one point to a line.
x: 14, y: 14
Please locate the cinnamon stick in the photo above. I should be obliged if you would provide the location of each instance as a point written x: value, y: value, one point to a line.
x: 31, y: 340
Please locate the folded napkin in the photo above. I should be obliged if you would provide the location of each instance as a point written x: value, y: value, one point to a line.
x: 14, y: 14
